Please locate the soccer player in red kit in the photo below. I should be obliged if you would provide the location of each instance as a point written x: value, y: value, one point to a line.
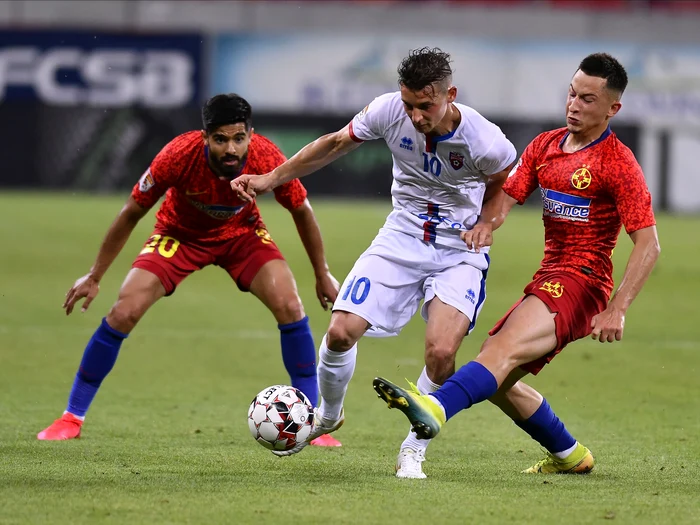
x: 202, y: 222
x: 591, y: 186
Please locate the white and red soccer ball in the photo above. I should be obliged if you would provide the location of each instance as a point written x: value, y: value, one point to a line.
x: 280, y: 417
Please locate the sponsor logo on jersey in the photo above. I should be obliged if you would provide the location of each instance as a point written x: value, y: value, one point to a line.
x: 556, y: 290
x: 565, y: 206
x: 146, y: 182
x: 581, y: 178
x: 437, y: 219
x: 406, y: 143
x: 217, y: 211
x: 456, y: 160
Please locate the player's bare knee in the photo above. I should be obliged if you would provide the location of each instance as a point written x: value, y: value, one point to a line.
x: 498, y: 354
x: 124, y: 315
x: 340, y: 337
x: 288, y: 310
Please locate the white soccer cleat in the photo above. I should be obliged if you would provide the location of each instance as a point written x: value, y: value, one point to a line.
x: 321, y: 427
x: 409, y: 464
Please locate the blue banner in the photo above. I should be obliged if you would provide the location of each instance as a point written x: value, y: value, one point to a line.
x: 81, y: 68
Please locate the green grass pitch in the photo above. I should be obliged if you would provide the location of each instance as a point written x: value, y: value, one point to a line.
x: 166, y: 440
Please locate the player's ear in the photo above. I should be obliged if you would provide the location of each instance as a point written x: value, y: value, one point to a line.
x: 204, y: 136
x: 614, y: 108
x: 451, y: 94
x: 252, y: 130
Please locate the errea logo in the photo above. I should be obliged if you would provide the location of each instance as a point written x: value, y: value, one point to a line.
x: 406, y: 143
x: 470, y: 296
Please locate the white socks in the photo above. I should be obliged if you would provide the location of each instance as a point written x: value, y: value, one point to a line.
x: 566, y: 453
x: 81, y: 418
x: 334, y: 371
x: 426, y: 386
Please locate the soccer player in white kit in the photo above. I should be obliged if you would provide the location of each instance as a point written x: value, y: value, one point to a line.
x: 449, y: 164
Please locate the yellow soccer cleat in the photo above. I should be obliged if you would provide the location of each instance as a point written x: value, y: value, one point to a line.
x: 580, y: 461
x: 425, y: 415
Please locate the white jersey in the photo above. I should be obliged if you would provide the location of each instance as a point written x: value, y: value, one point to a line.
x: 439, y: 182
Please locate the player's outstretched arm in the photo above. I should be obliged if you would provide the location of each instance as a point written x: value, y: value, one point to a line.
x: 117, y: 235
x: 310, y: 234
x: 310, y: 158
x: 491, y: 216
x: 609, y: 324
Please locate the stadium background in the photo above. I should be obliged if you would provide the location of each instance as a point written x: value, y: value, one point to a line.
x: 90, y: 92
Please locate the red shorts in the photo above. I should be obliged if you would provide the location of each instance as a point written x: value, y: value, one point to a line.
x: 172, y: 260
x: 573, y: 300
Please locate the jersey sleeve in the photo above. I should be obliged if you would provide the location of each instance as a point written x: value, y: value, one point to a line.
x: 372, y: 122
x: 632, y: 197
x: 522, y: 180
x: 160, y: 176
x: 498, y: 157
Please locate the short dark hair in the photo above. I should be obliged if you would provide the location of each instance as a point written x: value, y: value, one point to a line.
x: 423, y: 67
x: 225, y: 109
x: 602, y: 65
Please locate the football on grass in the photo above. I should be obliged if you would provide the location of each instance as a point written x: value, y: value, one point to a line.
x: 280, y: 417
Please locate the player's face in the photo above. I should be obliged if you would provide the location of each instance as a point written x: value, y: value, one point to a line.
x: 589, y: 104
x: 427, y: 108
x: 228, y: 148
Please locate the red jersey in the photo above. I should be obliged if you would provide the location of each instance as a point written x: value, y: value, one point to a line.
x: 198, y: 203
x: 586, y: 197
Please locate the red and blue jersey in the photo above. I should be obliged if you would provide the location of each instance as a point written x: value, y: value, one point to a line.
x: 587, y: 196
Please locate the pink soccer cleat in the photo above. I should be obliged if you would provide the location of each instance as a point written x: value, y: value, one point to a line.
x: 67, y: 427
x: 326, y: 440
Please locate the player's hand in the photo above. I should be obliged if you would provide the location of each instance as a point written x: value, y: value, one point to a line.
x: 608, y: 325
x: 247, y: 187
x: 479, y: 236
x: 87, y: 286
x: 326, y: 289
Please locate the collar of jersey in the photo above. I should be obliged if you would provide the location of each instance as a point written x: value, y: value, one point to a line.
x: 604, y: 136
x: 432, y: 142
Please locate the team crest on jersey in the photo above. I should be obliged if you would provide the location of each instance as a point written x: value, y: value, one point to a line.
x: 146, y: 182
x: 456, y: 160
x: 556, y: 290
x: 581, y: 178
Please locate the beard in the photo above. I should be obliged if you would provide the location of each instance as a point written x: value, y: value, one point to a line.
x: 226, y: 170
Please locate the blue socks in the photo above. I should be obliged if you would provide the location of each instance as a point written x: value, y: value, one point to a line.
x: 298, y: 354
x: 471, y: 384
x: 299, y: 357
x: 98, y: 359
x: 546, y: 428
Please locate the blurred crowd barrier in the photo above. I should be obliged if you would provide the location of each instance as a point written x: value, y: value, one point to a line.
x: 100, y: 87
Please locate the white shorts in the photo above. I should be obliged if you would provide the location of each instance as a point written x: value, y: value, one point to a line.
x: 397, y: 271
